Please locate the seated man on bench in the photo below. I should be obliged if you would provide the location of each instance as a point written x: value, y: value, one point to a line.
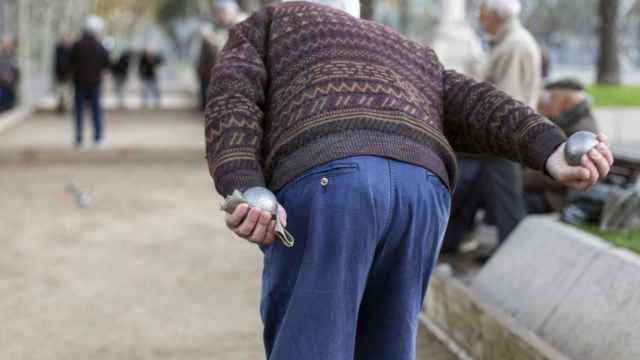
x: 567, y: 104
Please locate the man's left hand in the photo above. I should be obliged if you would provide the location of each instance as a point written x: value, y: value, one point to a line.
x: 595, y: 166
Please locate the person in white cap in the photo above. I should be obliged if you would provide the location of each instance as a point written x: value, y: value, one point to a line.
x: 89, y: 59
x: 515, y: 67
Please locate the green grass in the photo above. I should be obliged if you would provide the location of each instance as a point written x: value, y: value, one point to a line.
x: 619, y: 96
x: 629, y: 241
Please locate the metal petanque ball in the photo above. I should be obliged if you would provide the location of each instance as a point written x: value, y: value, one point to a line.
x: 579, y: 144
x: 262, y: 198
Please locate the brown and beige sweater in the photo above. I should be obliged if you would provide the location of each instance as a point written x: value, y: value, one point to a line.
x: 300, y: 84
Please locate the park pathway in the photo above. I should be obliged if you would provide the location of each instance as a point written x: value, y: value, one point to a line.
x: 147, y: 270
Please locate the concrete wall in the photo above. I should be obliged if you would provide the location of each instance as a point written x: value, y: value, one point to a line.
x: 477, y: 330
x: 622, y: 125
x: 574, y: 290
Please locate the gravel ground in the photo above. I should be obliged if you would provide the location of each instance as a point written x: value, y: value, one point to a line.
x: 146, y: 272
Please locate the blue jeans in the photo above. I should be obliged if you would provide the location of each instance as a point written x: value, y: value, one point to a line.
x: 368, y: 231
x: 91, y: 95
x: 150, y: 92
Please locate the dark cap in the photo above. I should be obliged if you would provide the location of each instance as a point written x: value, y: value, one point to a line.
x: 566, y: 84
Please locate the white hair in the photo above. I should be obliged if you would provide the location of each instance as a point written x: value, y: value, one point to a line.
x: 94, y: 24
x: 228, y: 5
x: 351, y: 7
x: 504, y: 8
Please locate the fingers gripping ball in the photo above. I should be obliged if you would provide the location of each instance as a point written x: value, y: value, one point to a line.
x: 578, y: 145
x: 264, y: 199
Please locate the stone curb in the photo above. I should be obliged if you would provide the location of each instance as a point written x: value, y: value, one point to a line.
x: 574, y: 290
x: 474, y: 329
x: 44, y: 156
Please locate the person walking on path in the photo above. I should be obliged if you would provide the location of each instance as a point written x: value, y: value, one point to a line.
x: 148, y: 71
x: 120, y: 71
x: 354, y: 127
x: 494, y: 183
x: 61, y: 70
x: 88, y: 61
x: 9, y: 73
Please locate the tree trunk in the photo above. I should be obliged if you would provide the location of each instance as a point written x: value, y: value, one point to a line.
x: 609, y: 60
x: 366, y: 9
x: 3, y: 17
x: 404, y: 16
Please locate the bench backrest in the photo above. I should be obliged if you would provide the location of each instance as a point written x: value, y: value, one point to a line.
x: 625, y: 171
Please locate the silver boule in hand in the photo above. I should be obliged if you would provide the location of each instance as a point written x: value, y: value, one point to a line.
x: 261, y: 198
x: 579, y: 144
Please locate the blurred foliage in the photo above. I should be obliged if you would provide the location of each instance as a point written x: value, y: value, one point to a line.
x: 607, y: 95
x: 630, y: 241
x: 169, y: 10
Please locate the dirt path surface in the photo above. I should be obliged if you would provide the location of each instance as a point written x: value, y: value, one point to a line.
x: 147, y: 271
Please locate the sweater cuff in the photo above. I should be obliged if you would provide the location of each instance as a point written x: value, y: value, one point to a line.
x: 238, y: 180
x: 543, y: 146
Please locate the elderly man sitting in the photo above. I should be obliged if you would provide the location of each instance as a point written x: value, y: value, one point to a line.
x: 355, y: 127
x: 567, y: 104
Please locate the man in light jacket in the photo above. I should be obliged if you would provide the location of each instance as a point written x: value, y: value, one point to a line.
x: 495, y: 184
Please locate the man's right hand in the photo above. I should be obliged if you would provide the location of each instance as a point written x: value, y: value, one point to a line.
x: 255, y: 225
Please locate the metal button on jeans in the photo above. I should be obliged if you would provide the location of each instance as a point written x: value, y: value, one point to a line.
x: 324, y: 181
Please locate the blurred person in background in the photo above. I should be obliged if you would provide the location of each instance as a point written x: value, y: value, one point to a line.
x: 120, y: 71
x: 62, y: 70
x: 515, y: 67
x: 546, y: 63
x: 9, y: 73
x: 226, y: 14
x: 353, y: 127
x: 568, y: 105
x: 458, y: 46
x: 89, y: 59
x: 150, y: 60
x: 206, y: 61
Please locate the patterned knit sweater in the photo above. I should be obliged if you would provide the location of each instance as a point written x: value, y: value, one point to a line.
x: 299, y: 84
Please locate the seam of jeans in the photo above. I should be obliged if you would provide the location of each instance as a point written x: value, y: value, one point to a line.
x: 387, y: 223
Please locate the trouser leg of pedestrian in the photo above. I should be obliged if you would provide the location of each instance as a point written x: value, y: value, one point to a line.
x: 204, y: 86
x: 145, y: 93
x: 96, y: 113
x: 155, y: 89
x: 501, y: 184
x: 61, y: 92
x: 354, y: 220
x: 3, y: 103
x: 465, y: 204
x: 119, y: 88
x: 78, y: 106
